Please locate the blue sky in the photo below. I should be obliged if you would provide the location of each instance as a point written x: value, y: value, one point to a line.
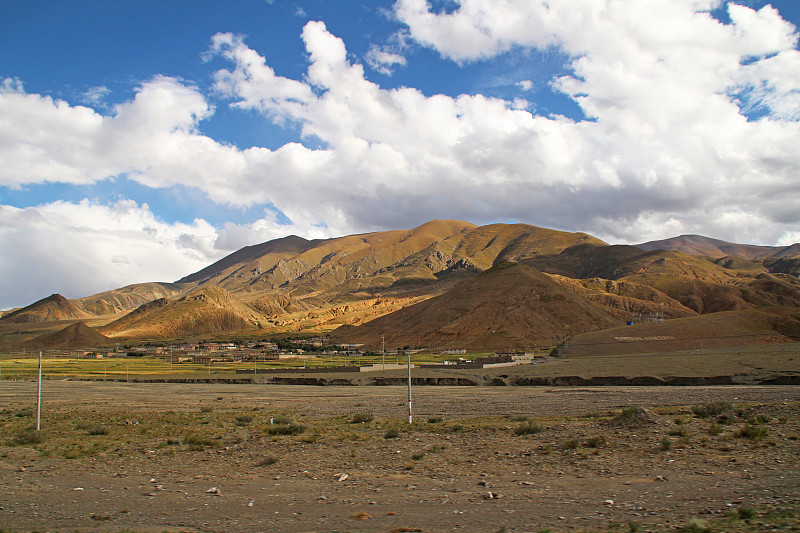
x: 142, y: 140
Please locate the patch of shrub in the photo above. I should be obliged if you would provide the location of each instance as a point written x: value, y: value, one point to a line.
x: 97, y: 429
x: 30, y: 436
x: 709, y: 409
x: 745, y: 513
x: 286, y: 429
x: 666, y: 444
x: 695, y: 525
x: 572, y: 444
x: 598, y: 441
x: 519, y: 418
x: 435, y: 419
x: 714, y: 429
x: 199, y: 442
x: 362, y: 417
x: 309, y: 439
x: 678, y: 432
x: 243, y: 420
x: 754, y: 433
x: 23, y: 413
x: 71, y: 453
x: 759, y: 419
x: 631, y: 417
x: 282, y: 419
x: 528, y: 428
x: 725, y: 420
x: 391, y: 433
x: 267, y: 461
x: 206, y: 409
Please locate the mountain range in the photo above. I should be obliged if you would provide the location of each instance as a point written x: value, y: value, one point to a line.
x: 443, y: 284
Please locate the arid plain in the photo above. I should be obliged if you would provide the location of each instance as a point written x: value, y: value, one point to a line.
x: 213, y: 457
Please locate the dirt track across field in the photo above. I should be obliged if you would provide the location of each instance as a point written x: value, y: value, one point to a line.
x: 204, y: 457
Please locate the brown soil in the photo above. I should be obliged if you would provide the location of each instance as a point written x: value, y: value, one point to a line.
x: 469, y: 471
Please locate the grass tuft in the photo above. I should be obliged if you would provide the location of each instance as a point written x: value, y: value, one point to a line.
x: 286, y: 429
x: 97, y: 429
x: 30, y: 436
x: 361, y: 417
x: 243, y: 420
x: 528, y: 428
x: 710, y: 409
x: 754, y: 433
x: 267, y: 461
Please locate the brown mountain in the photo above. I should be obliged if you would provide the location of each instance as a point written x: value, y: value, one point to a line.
x: 510, y: 305
x: 129, y: 297
x: 293, y: 284
x: 54, y: 307
x: 714, y: 330
x: 373, y: 263
x: 699, y: 245
x: 697, y: 283
x: 205, y: 311
x: 77, y: 335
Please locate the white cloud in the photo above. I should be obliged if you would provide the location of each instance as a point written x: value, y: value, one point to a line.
x: 667, y: 150
x: 12, y: 85
x: 84, y: 248
x: 384, y: 61
x: 525, y: 85
x: 95, y: 95
x: 79, y: 249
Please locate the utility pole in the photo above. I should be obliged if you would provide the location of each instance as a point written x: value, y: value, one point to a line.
x: 409, y: 388
x: 39, y: 397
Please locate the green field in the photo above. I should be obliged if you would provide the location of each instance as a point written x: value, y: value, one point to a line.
x: 56, y: 366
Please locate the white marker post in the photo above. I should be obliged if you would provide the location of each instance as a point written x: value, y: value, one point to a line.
x: 409, y: 388
x: 39, y: 397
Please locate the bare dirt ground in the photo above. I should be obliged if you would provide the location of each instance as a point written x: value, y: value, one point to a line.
x: 205, y: 457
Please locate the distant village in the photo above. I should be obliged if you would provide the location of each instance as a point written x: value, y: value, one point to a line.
x: 320, y: 348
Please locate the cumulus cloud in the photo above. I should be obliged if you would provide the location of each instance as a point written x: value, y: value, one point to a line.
x: 82, y: 248
x: 525, y: 85
x: 95, y: 95
x: 667, y: 148
x: 667, y: 141
x: 384, y: 61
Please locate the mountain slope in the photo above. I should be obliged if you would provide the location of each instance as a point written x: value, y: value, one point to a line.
x: 77, y: 335
x: 715, y: 248
x: 373, y: 263
x: 129, y: 297
x: 509, y: 305
x: 714, y: 330
x: 54, y: 307
x: 205, y: 311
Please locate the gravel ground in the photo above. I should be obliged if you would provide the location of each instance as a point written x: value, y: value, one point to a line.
x: 169, y: 457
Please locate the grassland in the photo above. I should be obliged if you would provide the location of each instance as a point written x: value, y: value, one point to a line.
x: 17, y: 366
